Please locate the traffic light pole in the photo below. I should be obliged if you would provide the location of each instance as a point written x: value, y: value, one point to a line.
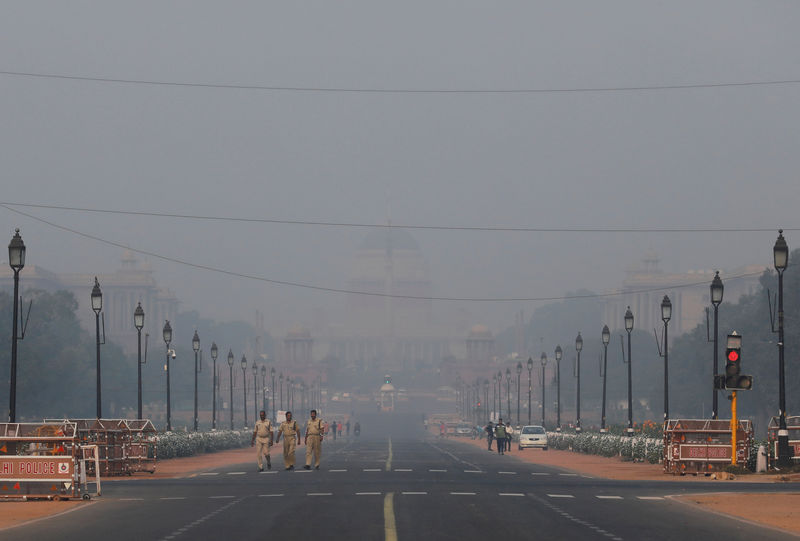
x: 734, y: 426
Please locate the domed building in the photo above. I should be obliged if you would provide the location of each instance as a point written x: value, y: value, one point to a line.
x: 297, y: 346
x: 480, y: 344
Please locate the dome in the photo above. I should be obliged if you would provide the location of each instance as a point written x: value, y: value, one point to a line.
x: 298, y: 331
x: 387, y: 388
x: 479, y: 331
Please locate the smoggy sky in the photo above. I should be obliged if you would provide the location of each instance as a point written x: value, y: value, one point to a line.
x: 720, y: 157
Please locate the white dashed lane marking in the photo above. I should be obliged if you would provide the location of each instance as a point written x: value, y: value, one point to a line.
x: 539, y: 473
x: 219, y: 497
x: 511, y: 494
x: 131, y: 499
x: 371, y: 469
x: 368, y: 493
x: 473, y: 471
x: 319, y: 494
x: 609, y: 497
x: 403, y: 469
x: 507, y: 473
x: 236, y: 473
x: 210, y: 473
x: 336, y: 471
x: 173, y: 498
x: 560, y: 496
x: 414, y: 493
x: 438, y: 471
x: 568, y: 474
x: 270, y: 495
x: 462, y: 493
x: 649, y: 497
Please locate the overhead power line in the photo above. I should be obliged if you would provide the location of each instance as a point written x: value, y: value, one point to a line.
x: 689, y: 229
x: 356, y: 292
x: 367, y: 90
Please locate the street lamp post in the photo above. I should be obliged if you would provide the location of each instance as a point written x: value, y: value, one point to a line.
x: 519, y: 373
x: 214, y: 354
x: 167, y: 335
x: 559, y: 353
x: 289, y: 393
x: 508, y: 390
x: 280, y: 379
x: 97, y: 307
x: 578, y: 348
x: 244, y: 388
x: 16, y: 260
x: 717, y: 290
x: 486, y: 396
x: 499, y: 394
x: 264, y: 388
x: 530, y: 367
x: 606, y: 336
x: 272, y: 397
x: 196, y: 348
x: 629, y: 328
x: 780, y: 254
x: 543, y: 359
x: 230, y: 379
x: 666, y: 315
x: 254, y: 368
x: 138, y: 322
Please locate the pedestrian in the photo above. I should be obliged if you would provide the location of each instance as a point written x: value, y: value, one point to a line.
x: 509, y: 436
x: 262, y: 434
x: 489, y: 434
x: 347, y: 425
x: 339, y: 427
x: 500, y: 436
x: 441, y: 430
x: 357, y: 429
x: 291, y: 438
x: 313, y: 440
x: 333, y: 429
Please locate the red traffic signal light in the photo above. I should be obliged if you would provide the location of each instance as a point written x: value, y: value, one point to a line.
x: 733, y: 355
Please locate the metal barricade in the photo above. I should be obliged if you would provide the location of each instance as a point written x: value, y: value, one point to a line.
x: 703, y: 445
x: 41, y: 460
x: 793, y: 426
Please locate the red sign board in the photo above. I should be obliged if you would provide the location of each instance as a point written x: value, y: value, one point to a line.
x: 36, y: 468
x: 705, y: 452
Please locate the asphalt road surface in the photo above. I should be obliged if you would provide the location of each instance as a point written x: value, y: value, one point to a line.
x: 395, y: 482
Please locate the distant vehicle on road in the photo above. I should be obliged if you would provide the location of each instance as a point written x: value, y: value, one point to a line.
x: 533, y: 436
x: 463, y: 430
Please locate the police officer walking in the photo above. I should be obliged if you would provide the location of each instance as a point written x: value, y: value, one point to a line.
x: 262, y: 435
x: 291, y: 438
x: 313, y: 440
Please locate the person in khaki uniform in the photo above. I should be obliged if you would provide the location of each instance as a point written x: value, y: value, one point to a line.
x: 262, y: 436
x: 291, y: 438
x: 313, y: 440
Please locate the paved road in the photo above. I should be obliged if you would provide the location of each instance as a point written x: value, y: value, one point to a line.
x: 394, y: 482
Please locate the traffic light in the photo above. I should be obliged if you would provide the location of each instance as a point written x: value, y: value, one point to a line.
x: 734, y: 380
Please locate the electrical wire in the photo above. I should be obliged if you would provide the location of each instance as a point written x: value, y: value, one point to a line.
x: 357, y: 292
x: 364, y: 90
x: 693, y: 229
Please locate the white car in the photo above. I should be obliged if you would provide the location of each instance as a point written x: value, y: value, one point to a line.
x: 533, y: 436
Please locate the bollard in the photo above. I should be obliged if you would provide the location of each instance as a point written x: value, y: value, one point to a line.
x: 761, y: 459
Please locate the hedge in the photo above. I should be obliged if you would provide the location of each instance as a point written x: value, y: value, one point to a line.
x: 179, y: 444
x: 637, y: 448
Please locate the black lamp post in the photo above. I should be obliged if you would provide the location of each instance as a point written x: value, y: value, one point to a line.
x: 717, y: 290
x: 494, y: 394
x: 167, y: 335
x: 666, y: 315
x: 16, y: 260
x: 543, y: 359
x: 196, y: 348
x: 214, y: 354
x: 486, y: 396
x: 289, y: 393
x: 519, y: 374
x: 254, y: 368
x: 578, y: 348
x: 780, y: 254
x: 272, y: 373
x: 244, y: 388
x: 280, y: 379
x: 230, y: 379
x: 97, y: 307
x: 606, y: 336
x: 559, y: 353
x: 629, y: 328
x: 530, y: 368
x: 264, y: 388
x: 138, y: 322
x: 508, y: 390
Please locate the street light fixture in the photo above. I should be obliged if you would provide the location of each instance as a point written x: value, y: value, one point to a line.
x: 629, y: 328
x: 494, y: 394
x: 543, y: 360
x: 264, y: 388
x: 280, y: 379
x: 666, y: 315
x: 780, y: 253
x: 530, y: 367
x: 16, y: 260
x: 138, y: 322
x: 486, y: 395
x: 559, y: 354
x: 272, y: 373
x: 166, y: 333
x: 578, y: 348
x: 244, y: 387
x: 196, y: 348
x: 508, y: 391
x: 230, y: 379
x: 254, y: 368
x: 214, y: 354
x: 97, y: 307
x: 519, y: 373
x: 606, y: 337
x: 717, y: 289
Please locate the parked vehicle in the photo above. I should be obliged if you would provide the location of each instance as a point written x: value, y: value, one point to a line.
x: 463, y: 430
x: 533, y: 436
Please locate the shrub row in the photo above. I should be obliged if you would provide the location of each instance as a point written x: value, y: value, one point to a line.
x: 178, y: 444
x: 637, y: 448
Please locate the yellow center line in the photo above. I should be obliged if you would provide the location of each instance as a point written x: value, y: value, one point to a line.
x: 389, y: 530
x: 389, y: 459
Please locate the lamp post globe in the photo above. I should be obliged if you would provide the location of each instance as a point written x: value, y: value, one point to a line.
x: 214, y: 354
x: 230, y: 380
x: 166, y: 333
x: 138, y: 322
x: 666, y: 315
x: 16, y: 260
x: 559, y: 354
x: 780, y: 253
x: 628, y: 329
x: 606, y: 338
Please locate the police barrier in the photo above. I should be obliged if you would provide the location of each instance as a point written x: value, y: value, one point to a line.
x: 793, y: 426
x: 703, y: 445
